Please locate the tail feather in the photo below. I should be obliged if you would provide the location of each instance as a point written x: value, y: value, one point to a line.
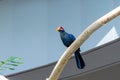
x: 79, y: 60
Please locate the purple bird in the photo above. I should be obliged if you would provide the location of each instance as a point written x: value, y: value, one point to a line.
x: 67, y: 40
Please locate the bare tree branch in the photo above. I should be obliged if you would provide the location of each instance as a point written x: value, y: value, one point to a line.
x: 80, y: 40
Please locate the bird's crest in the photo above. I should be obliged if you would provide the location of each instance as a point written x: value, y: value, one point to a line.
x: 60, y: 28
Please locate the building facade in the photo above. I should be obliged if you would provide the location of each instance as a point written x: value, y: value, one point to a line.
x: 102, y: 63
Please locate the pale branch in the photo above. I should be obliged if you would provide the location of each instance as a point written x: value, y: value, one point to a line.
x: 80, y: 40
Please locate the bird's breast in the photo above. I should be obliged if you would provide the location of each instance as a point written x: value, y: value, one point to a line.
x: 66, y: 41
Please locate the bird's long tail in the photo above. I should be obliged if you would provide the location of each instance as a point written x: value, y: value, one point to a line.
x: 79, y: 60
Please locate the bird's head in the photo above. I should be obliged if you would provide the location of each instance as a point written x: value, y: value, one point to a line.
x: 60, y: 29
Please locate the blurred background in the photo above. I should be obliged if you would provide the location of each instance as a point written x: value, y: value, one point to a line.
x: 28, y: 28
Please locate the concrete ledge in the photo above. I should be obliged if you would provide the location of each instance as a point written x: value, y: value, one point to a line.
x: 100, y: 62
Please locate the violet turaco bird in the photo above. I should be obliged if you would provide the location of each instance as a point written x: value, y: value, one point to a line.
x: 67, y: 40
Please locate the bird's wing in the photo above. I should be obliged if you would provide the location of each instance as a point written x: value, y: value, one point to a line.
x: 71, y: 37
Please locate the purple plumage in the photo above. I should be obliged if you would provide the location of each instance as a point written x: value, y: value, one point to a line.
x: 67, y: 40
